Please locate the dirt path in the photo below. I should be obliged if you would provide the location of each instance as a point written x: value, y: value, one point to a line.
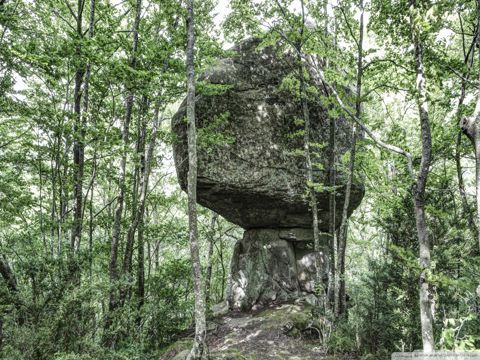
x: 265, y: 334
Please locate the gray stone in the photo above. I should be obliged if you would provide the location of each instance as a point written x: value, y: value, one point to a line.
x: 296, y: 234
x: 267, y: 269
x: 220, y: 309
x: 437, y: 355
x: 252, y: 176
x: 181, y: 355
x: 251, y: 170
x: 306, y: 270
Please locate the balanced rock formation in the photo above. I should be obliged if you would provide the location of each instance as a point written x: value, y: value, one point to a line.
x: 251, y: 170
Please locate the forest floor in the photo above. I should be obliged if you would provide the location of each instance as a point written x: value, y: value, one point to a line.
x: 278, y: 332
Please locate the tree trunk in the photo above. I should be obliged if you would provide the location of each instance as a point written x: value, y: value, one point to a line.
x: 116, y: 231
x: 426, y: 315
x: 333, y: 245
x: 340, y: 293
x: 138, y: 192
x: 139, y: 217
x: 319, y: 266
x: 11, y: 282
x: 471, y: 126
x: 461, y: 189
x: 333, y: 218
x: 199, y: 349
x: 78, y: 140
x: 211, y: 243
x: 341, y: 296
x: 86, y: 104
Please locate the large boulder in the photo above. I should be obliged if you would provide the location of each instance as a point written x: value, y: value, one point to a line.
x: 251, y: 168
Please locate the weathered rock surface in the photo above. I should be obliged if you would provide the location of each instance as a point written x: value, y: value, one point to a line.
x: 253, y: 178
x: 251, y: 170
x: 272, y: 266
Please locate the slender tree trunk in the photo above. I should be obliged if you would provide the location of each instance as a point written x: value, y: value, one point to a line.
x: 78, y: 140
x: 461, y: 189
x: 40, y: 194
x: 317, y: 249
x: 199, y: 349
x: 138, y: 192
x: 116, y: 231
x: 140, y: 216
x: 319, y: 266
x: 477, y: 138
x: 333, y: 245
x: 11, y: 282
x: 341, y: 296
x: 224, y: 271
x: 477, y: 174
x: 144, y: 178
x: 471, y: 128
x: 86, y: 104
x: 426, y: 315
x: 332, y: 198
x: 340, y: 293
x: 53, y: 209
x: 90, y: 235
x: 211, y: 243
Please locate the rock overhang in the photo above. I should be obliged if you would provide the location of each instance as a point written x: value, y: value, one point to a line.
x: 257, y: 178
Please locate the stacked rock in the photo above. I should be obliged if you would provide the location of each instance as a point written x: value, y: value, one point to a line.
x: 254, y: 174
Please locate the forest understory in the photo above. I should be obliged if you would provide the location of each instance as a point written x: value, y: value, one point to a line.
x: 357, y: 120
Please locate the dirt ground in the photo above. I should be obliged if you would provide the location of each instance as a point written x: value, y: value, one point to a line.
x: 278, y: 332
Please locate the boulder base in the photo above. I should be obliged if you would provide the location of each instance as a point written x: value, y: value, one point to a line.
x: 273, y: 266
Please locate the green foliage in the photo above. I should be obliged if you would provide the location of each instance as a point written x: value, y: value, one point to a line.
x: 342, y: 341
x: 59, y: 303
x: 453, y: 336
x: 216, y: 134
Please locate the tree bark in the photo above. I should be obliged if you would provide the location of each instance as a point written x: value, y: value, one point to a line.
x: 86, y: 105
x: 116, y: 231
x: 199, y: 349
x: 341, y: 296
x: 471, y: 128
x: 463, y: 193
x: 333, y: 218
x: 140, y: 215
x: 426, y: 315
x: 211, y: 243
x: 340, y: 293
x: 78, y: 139
x: 138, y: 203
x: 309, y: 173
x: 11, y: 282
x: 467, y: 124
